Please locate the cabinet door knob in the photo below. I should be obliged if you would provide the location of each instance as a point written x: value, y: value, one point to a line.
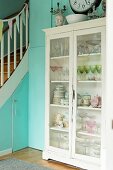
x: 73, y: 94
x: 112, y: 124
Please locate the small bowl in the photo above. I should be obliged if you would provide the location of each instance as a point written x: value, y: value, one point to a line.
x: 73, y: 18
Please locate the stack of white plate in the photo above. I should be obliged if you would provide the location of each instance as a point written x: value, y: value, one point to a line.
x: 59, y: 93
x: 66, y: 101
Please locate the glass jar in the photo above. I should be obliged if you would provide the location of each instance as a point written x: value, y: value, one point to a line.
x: 90, y: 124
x: 86, y: 100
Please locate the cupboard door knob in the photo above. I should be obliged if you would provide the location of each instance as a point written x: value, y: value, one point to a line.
x: 73, y: 94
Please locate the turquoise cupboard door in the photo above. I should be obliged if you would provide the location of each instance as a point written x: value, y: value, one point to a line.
x: 20, y: 116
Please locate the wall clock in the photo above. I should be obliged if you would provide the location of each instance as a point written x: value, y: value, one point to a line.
x: 83, y: 6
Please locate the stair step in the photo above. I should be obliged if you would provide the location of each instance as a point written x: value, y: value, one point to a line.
x: 5, y: 77
x: 11, y: 66
x: 11, y: 59
x: 6, y: 69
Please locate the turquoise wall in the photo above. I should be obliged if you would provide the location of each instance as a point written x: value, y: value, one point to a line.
x: 40, y: 18
x: 20, y: 128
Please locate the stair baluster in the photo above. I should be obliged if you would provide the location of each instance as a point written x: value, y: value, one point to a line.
x: 15, y: 46
x: 27, y: 27
x: 21, y: 38
x: 8, y: 65
x: 2, y: 60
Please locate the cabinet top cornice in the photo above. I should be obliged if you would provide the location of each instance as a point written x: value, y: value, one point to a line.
x: 76, y: 26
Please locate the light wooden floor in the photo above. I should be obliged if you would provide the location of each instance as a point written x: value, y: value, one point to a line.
x: 35, y: 156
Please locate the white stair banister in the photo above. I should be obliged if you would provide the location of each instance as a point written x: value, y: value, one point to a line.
x: 26, y: 26
x: 21, y: 38
x: 2, y: 60
x: 15, y: 59
x: 8, y: 66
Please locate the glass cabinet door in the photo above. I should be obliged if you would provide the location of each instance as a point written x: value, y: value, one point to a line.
x: 88, y: 79
x: 59, y: 91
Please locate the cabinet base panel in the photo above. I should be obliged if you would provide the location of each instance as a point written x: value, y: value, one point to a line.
x: 71, y: 161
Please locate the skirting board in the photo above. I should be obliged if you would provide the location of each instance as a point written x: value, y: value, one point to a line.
x: 5, y: 152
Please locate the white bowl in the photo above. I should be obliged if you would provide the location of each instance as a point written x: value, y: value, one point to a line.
x: 73, y: 18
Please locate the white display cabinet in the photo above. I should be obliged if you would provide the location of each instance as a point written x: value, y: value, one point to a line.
x: 75, y: 83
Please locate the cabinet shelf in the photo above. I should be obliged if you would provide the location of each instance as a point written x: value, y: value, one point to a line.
x: 88, y: 108
x: 63, y: 106
x: 88, y: 81
x: 87, y: 55
x: 88, y: 134
x: 59, y: 129
x: 60, y: 57
x: 55, y: 81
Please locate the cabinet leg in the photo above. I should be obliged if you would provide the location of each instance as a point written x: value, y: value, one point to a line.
x: 45, y: 156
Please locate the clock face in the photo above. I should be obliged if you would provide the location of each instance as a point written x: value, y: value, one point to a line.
x: 81, y: 6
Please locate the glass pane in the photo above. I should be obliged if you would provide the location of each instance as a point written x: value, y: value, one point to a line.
x: 59, y: 93
x: 89, y: 57
x: 59, y: 115
x: 59, y: 47
x: 59, y: 69
x: 89, y: 95
x: 59, y: 140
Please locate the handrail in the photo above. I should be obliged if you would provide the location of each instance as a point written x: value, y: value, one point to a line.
x: 6, y: 28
